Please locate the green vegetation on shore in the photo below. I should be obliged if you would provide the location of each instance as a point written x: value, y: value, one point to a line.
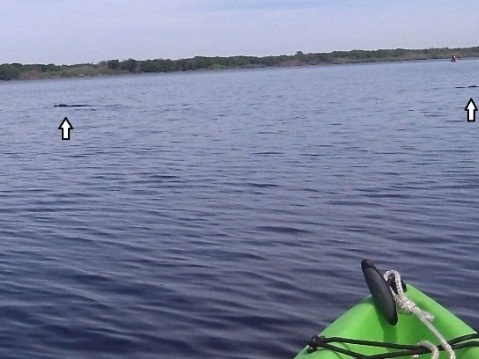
x: 17, y: 71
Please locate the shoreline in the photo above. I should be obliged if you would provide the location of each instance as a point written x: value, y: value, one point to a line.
x: 17, y: 71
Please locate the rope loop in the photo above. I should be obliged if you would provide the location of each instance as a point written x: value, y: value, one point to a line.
x: 405, y: 305
x: 428, y: 345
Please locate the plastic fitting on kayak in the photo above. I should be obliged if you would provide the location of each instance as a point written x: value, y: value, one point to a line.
x: 380, y: 291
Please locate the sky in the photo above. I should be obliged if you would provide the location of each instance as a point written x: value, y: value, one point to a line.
x: 90, y: 31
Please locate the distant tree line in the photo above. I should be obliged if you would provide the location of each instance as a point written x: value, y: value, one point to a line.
x: 10, y: 71
x: 111, y: 67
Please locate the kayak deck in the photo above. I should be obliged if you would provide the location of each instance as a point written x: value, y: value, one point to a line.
x: 364, y: 322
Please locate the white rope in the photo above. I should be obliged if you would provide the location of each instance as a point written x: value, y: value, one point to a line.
x: 405, y: 305
x: 428, y: 345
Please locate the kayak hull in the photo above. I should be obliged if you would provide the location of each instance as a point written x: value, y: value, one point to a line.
x: 364, y: 322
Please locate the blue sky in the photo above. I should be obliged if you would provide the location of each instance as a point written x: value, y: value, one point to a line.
x: 75, y: 31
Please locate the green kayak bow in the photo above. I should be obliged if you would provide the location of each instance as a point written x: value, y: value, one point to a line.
x: 396, y: 321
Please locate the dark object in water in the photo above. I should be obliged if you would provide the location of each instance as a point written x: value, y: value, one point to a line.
x: 468, y: 87
x: 73, y: 105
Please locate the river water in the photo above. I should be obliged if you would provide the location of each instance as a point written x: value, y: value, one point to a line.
x: 225, y: 214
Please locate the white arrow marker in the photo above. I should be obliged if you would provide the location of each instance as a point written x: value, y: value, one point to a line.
x: 65, y: 126
x: 471, y: 109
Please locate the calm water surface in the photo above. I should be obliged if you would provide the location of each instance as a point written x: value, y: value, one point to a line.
x: 225, y: 214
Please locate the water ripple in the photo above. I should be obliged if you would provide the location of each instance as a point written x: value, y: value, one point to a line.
x: 225, y: 214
